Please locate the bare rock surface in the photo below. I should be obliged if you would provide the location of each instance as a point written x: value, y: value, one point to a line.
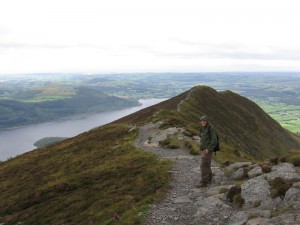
x: 285, y: 170
x: 256, y: 171
x: 256, y: 190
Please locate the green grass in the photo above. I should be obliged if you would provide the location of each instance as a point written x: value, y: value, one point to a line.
x: 287, y: 115
x: 95, y: 178
x: 293, y: 157
x: 45, y: 98
x: 50, y: 93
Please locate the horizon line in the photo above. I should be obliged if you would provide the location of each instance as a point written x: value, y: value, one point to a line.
x: 148, y: 72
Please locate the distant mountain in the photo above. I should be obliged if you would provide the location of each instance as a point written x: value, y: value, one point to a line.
x: 86, y: 100
x: 99, y: 177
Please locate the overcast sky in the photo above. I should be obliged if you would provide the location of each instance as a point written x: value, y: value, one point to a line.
x: 91, y: 36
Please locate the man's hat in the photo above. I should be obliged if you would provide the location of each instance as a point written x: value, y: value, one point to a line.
x: 203, y: 118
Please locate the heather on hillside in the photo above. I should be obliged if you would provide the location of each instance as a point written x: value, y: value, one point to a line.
x: 95, y: 178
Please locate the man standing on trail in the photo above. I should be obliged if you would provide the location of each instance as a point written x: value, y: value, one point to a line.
x: 208, y: 142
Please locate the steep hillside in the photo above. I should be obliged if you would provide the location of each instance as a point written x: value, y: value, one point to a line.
x: 97, y: 177
x: 241, y: 123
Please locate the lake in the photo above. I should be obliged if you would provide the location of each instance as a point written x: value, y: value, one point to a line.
x: 20, y: 140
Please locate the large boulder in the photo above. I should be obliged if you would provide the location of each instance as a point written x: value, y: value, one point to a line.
x: 212, y: 202
x: 256, y: 171
x: 239, y: 174
x: 292, y: 198
x: 286, y: 219
x: 256, y: 193
x: 235, y: 166
x: 219, y: 177
x: 239, y: 218
x: 257, y: 221
x: 284, y: 170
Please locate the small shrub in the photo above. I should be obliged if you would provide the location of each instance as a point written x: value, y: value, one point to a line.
x: 192, y: 129
x: 188, y: 144
x: 274, y: 213
x: 279, y: 187
x: 295, y: 160
x: 274, y: 193
x: 187, y: 133
x: 283, y: 159
x: 172, y: 121
x: 226, y: 163
x: 194, y: 148
x: 173, y: 146
x: 195, y: 151
x: 252, y: 215
x: 164, y: 143
x: 246, y: 170
x: 257, y: 203
x: 266, y: 168
x: 274, y: 160
x: 238, y: 201
x: 233, y: 191
x: 236, y: 152
x: 223, y: 190
x: 170, y: 143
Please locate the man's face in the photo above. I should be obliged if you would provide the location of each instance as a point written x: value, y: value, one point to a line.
x: 203, y: 123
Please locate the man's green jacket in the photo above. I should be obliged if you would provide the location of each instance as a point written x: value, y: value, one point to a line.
x: 209, y: 139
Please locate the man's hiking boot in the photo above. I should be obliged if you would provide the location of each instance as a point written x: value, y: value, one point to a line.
x: 201, y: 185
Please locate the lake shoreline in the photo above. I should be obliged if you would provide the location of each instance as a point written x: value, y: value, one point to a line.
x: 80, y: 115
x: 18, y: 140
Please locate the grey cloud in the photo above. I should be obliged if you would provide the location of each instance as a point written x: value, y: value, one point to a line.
x: 228, y: 51
x: 227, y: 45
x: 25, y: 45
x: 274, y: 54
x: 47, y: 46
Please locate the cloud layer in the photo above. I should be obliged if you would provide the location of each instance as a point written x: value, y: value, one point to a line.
x: 140, y: 35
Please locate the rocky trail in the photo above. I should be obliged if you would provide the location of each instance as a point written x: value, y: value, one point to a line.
x: 183, y: 204
x: 186, y: 205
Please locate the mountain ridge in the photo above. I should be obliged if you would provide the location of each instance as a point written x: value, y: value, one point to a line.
x: 241, y: 123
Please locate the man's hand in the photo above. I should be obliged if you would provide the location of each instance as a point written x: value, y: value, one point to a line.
x: 206, y: 151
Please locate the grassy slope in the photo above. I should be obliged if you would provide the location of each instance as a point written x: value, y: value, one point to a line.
x: 89, y: 179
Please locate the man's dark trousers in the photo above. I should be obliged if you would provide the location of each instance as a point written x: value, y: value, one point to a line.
x: 206, y: 174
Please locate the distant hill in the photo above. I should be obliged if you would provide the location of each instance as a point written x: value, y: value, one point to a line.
x: 86, y: 100
x: 99, y: 176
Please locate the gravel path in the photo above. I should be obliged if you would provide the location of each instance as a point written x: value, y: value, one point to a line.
x: 184, y: 204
